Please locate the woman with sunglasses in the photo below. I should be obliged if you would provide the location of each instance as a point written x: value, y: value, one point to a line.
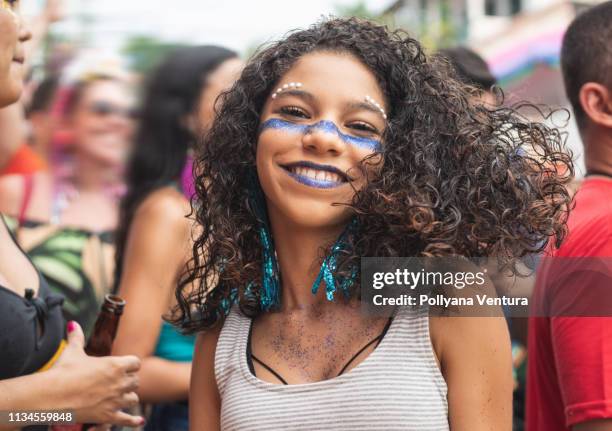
x: 65, y: 218
x: 41, y: 368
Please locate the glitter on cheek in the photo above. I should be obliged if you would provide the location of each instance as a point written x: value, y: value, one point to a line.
x: 324, y: 126
x: 286, y: 126
x: 330, y: 127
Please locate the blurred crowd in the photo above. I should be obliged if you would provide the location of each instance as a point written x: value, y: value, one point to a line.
x: 96, y: 185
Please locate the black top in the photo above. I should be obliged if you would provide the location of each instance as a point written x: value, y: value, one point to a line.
x: 31, y: 329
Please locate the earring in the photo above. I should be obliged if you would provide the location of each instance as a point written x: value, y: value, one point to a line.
x: 226, y: 303
x: 269, y: 291
x: 270, y: 284
x: 330, y: 265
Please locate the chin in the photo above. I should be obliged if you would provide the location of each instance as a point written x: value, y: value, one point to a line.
x: 10, y: 94
x: 313, y: 215
x: 107, y: 158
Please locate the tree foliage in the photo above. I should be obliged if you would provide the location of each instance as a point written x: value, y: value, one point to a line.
x: 145, y: 52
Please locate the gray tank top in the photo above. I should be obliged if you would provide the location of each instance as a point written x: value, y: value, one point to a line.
x: 397, y: 387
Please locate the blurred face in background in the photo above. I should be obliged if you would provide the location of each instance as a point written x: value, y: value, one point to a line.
x: 220, y: 80
x: 12, y: 36
x: 101, y: 123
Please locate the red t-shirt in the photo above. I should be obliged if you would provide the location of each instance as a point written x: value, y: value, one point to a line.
x: 569, y: 378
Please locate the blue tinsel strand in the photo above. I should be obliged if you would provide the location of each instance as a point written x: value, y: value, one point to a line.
x: 270, y: 286
x: 329, y: 266
x: 270, y: 282
x: 226, y: 303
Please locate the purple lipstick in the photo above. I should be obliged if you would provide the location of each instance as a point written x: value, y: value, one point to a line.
x: 316, y: 175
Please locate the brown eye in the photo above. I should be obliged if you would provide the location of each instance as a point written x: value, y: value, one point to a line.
x: 293, y: 111
x: 362, y: 127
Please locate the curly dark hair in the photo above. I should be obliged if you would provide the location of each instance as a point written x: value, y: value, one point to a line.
x: 456, y: 178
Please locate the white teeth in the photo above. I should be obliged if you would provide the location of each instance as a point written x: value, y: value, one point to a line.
x: 318, y: 175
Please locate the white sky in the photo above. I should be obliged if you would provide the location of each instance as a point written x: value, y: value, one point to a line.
x: 237, y: 24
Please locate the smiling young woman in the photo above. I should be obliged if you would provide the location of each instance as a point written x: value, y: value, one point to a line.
x: 342, y: 141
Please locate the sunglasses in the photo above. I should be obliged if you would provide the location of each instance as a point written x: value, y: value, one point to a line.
x: 9, y: 4
x: 105, y: 109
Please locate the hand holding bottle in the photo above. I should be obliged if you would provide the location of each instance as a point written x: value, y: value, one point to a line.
x: 98, y: 387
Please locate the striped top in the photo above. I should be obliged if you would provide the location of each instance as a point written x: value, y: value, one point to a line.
x: 397, y: 387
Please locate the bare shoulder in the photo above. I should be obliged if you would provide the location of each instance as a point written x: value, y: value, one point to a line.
x: 204, y: 358
x: 468, y: 328
x: 203, y: 388
x: 463, y: 336
x: 12, y: 189
x: 166, y: 206
x: 207, y: 341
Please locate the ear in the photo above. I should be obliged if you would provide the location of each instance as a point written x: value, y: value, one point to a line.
x: 596, y: 102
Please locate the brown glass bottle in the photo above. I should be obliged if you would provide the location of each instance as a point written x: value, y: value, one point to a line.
x: 100, y: 342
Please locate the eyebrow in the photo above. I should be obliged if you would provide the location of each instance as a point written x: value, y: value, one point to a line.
x: 311, y: 98
x: 363, y: 105
x: 296, y: 93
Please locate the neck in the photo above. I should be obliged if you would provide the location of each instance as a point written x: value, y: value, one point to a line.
x: 598, y: 151
x: 91, y: 176
x: 298, y: 250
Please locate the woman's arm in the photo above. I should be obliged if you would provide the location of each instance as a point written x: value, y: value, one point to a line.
x: 204, y: 399
x: 95, y: 389
x: 53, y: 11
x: 156, y: 250
x: 476, y: 361
x: 162, y: 380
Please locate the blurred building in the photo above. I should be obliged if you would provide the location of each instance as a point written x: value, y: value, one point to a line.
x: 519, y: 39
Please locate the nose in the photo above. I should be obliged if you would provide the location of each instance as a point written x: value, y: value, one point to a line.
x: 324, y: 138
x: 24, y: 31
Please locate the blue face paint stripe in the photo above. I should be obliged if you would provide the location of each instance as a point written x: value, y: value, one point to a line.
x: 325, y: 126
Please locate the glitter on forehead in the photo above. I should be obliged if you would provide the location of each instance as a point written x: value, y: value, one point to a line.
x: 377, y: 105
x: 290, y: 85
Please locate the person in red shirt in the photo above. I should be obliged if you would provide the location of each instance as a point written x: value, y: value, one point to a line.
x: 24, y: 161
x: 569, y: 383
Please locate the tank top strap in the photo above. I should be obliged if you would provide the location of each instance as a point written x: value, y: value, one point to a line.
x: 227, y: 353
